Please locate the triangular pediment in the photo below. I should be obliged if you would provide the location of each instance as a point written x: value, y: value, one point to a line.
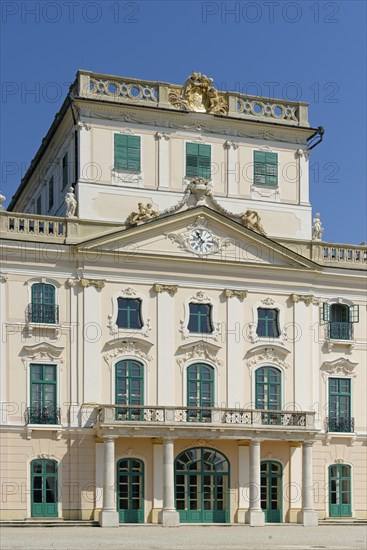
x: 177, y: 234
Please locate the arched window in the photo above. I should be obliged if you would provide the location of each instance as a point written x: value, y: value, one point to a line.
x: 200, y: 392
x: 129, y: 389
x: 268, y: 393
x: 43, y: 308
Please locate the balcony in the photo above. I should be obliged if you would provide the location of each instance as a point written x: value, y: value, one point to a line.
x: 341, y: 425
x: 340, y: 330
x: 49, y: 414
x: 43, y: 314
x: 153, y: 420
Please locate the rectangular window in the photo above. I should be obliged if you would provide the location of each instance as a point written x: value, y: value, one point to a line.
x: 65, y: 170
x: 200, y: 318
x: 265, y: 168
x: 39, y: 205
x: 129, y: 313
x: 43, y: 409
x: 267, y: 323
x: 339, y: 405
x: 126, y: 152
x: 51, y: 193
x: 198, y: 160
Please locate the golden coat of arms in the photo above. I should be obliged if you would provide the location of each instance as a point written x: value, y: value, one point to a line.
x: 198, y: 94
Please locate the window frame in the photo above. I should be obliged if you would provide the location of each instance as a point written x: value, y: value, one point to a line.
x: 65, y: 171
x: 271, y: 322
x: 128, y: 309
x: 55, y: 383
x: 197, y: 317
x: 131, y: 414
x: 353, y: 316
x: 43, y: 284
x: 130, y: 292
x: 339, y: 394
x: 201, y: 298
x: 267, y: 303
x: 51, y: 193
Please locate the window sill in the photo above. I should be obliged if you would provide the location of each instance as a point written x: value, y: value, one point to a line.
x: 58, y: 428
x: 127, y: 176
x: 331, y: 343
x: 44, y: 326
x: 340, y: 435
x: 128, y: 332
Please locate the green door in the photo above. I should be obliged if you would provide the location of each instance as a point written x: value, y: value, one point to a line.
x: 340, y: 493
x: 202, y: 486
x: 271, y: 491
x: 44, y: 489
x: 130, y: 493
x: 200, y: 392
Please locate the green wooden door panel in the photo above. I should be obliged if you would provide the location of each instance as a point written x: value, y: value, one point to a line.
x: 271, y: 491
x: 130, y: 490
x: 340, y: 492
x: 44, y: 489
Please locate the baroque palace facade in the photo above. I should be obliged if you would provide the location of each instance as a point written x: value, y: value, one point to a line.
x: 178, y: 343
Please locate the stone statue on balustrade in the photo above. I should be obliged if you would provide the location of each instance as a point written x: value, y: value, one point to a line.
x: 71, y: 203
x: 317, y: 229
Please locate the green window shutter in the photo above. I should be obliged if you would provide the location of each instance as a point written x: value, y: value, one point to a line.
x: 126, y: 152
x: 265, y: 168
x: 354, y: 314
x: 326, y: 312
x: 198, y: 160
x: 133, y: 152
x: 192, y: 153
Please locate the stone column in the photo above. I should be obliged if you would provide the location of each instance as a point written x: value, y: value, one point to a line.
x: 157, y: 480
x: 243, y: 482
x: 109, y: 516
x: 168, y: 517
x: 255, y: 516
x: 308, y: 516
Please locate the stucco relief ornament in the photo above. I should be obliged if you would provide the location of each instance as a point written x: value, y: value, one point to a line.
x: 71, y: 203
x: 252, y: 220
x: 317, y: 229
x: 198, y: 94
x: 143, y: 214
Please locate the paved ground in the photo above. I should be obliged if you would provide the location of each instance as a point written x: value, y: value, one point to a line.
x: 154, y: 537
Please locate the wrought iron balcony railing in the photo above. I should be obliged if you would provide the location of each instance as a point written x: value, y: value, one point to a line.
x: 49, y: 414
x: 117, y: 414
x: 345, y: 425
x: 43, y: 313
x: 340, y: 330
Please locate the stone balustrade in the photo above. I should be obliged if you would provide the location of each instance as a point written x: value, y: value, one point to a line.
x: 157, y: 94
x: 180, y: 416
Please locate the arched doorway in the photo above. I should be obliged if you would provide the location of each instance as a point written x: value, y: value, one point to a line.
x: 340, y: 490
x: 44, y: 488
x: 130, y: 490
x: 202, y: 486
x: 271, y: 491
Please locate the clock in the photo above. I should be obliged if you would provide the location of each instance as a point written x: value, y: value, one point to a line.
x: 201, y: 241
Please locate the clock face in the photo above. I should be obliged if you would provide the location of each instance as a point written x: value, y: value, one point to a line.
x: 201, y: 241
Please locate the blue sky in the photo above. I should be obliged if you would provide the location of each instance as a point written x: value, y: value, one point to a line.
x: 313, y: 51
